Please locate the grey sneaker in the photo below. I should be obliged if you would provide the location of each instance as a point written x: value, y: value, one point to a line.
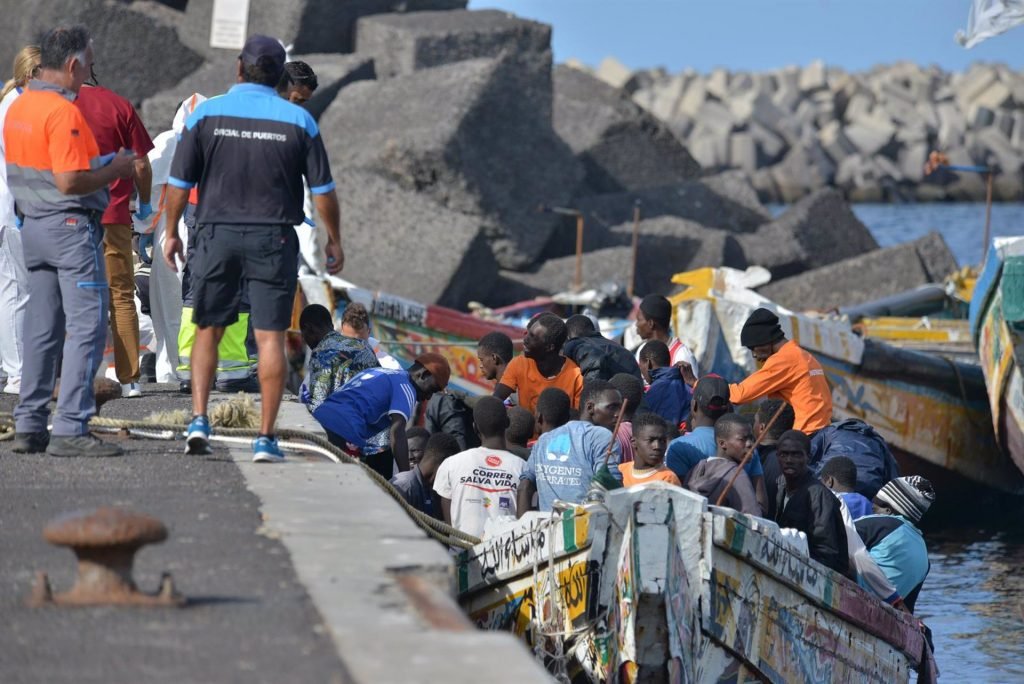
x: 81, y: 446
x: 30, y: 442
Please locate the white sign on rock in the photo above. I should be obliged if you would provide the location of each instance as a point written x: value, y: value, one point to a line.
x: 230, y: 24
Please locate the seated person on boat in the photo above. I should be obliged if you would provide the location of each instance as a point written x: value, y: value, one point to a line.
x: 710, y: 402
x: 565, y: 460
x: 892, y: 537
x: 668, y: 395
x: 541, y: 365
x: 416, y: 485
x: 598, y: 357
x: 805, y: 504
x: 712, y: 476
x: 632, y: 390
x: 480, y: 484
x: 650, y: 439
x: 769, y: 440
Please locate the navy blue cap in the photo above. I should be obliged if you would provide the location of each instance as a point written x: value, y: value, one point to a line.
x: 264, y: 52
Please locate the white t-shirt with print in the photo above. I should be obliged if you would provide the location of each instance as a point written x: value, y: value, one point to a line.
x: 481, y: 484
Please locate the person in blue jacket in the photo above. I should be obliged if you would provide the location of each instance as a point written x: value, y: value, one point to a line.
x: 668, y: 395
x: 892, y: 537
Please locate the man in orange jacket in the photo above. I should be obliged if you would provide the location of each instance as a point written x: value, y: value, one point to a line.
x: 784, y: 370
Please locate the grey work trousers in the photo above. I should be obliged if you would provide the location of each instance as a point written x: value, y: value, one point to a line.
x: 67, y: 306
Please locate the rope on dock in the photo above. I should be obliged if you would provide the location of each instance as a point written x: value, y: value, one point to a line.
x: 290, y: 438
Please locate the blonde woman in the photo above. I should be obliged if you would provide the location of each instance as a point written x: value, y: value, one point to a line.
x: 13, y: 276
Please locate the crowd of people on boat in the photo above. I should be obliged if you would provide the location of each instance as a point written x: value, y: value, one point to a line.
x: 575, y: 410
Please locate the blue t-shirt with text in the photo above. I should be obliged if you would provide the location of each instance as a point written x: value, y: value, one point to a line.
x: 563, y: 462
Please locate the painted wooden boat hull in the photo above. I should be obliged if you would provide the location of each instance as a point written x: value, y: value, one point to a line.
x: 935, y: 410
x: 999, y: 335
x: 652, y: 584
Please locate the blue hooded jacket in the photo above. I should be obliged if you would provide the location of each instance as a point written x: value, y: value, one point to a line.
x: 668, y: 396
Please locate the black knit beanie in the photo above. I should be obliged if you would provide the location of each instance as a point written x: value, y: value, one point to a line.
x: 761, y: 328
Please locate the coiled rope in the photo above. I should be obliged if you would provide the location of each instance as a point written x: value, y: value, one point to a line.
x: 290, y: 438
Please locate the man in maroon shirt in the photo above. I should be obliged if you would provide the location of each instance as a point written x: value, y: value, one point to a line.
x: 115, y: 124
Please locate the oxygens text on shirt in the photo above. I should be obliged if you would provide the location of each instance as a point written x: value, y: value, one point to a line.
x: 564, y: 461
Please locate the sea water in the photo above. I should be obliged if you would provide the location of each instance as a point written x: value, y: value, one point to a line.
x: 973, y: 599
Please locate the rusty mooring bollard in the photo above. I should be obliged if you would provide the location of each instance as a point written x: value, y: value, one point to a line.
x: 105, y: 541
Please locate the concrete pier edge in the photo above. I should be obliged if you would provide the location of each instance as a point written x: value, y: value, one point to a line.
x: 349, y: 542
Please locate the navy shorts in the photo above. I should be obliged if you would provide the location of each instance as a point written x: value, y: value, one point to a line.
x: 230, y: 258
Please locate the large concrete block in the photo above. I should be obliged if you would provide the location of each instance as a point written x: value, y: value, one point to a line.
x: 798, y: 174
x: 666, y: 245
x: 309, y: 26
x: 709, y: 147
x: 693, y: 98
x: 725, y: 201
x: 613, y: 72
x: 819, y: 229
x: 448, y: 260
x: 667, y: 96
x: 990, y: 147
x: 403, y: 43
x: 867, y: 277
x: 812, y: 77
x: 334, y: 72
x: 870, y: 134
x: 770, y: 145
x: 774, y: 118
x: 137, y: 46
x: 620, y: 146
x: 834, y: 142
x: 912, y: 159
x: 217, y: 75
x: 952, y: 125
x: 718, y: 84
x: 742, y: 152
x: 469, y: 136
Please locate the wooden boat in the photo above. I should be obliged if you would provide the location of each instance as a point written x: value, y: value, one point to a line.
x: 932, y: 409
x: 651, y: 584
x: 997, y: 323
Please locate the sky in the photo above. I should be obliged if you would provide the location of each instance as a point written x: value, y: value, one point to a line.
x: 761, y: 35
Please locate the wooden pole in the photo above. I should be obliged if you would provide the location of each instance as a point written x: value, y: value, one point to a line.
x: 750, y: 452
x: 578, y: 282
x: 988, y: 216
x: 615, y: 433
x: 636, y: 238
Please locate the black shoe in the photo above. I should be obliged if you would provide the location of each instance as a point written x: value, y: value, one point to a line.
x: 249, y: 384
x: 30, y: 442
x: 147, y: 367
x: 185, y: 387
x: 81, y: 446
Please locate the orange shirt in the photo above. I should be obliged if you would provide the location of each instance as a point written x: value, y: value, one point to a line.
x: 660, y: 474
x: 45, y: 134
x: 523, y: 377
x: 798, y: 378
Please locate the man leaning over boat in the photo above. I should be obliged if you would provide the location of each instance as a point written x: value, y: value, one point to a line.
x: 785, y: 370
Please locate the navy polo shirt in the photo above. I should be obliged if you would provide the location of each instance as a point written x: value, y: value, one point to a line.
x: 248, y: 150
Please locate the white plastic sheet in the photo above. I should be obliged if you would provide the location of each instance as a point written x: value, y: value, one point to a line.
x: 989, y: 18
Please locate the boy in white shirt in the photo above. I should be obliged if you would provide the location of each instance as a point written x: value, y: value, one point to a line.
x: 480, y: 484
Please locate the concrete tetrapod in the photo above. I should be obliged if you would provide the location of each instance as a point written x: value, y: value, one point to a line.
x: 105, y: 541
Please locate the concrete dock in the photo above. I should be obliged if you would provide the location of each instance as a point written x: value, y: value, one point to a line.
x: 298, y: 572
